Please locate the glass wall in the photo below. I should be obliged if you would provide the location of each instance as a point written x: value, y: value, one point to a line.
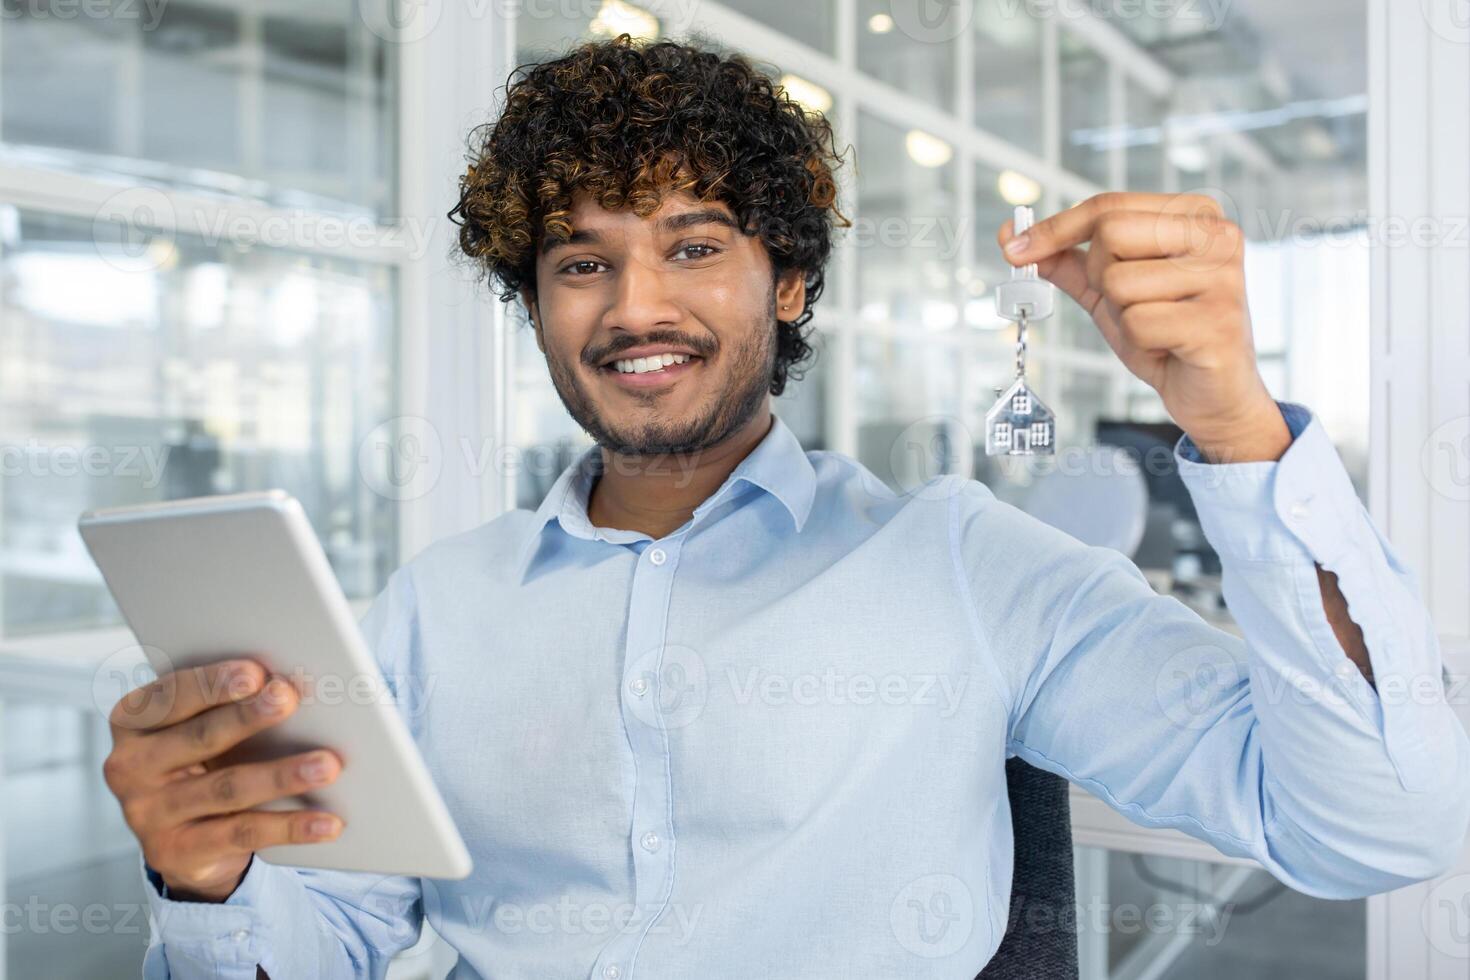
x: 199, y: 293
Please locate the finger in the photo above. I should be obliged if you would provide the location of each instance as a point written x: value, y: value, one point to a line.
x: 1077, y: 225
x: 1155, y: 326
x: 248, y: 785
x: 184, y: 693
x: 1149, y: 281
x: 1068, y: 272
x: 248, y: 832
x: 204, y: 736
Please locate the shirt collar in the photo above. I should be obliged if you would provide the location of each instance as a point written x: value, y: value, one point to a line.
x: 778, y: 464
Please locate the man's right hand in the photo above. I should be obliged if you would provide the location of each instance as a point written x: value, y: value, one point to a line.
x: 191, y: 812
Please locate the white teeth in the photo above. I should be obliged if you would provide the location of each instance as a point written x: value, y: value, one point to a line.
x: 654, y: 362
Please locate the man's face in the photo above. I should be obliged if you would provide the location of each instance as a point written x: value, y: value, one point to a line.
x: 682, y: 280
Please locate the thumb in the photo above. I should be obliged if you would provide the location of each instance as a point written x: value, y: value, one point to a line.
x: 1067, y: 270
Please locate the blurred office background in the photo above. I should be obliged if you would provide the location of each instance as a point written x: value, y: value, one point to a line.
x: 145, y: 355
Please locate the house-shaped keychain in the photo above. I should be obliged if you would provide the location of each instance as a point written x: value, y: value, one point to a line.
x: 1019, y: 424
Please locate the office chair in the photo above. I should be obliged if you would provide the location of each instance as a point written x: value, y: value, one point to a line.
x: 1040, y: 941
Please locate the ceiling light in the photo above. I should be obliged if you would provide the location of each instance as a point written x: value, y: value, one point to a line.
x: 926, y: 150
x: 1190, y: 157
x: 1016, y: 188
x: 616, y: 17
x: 809, y: 94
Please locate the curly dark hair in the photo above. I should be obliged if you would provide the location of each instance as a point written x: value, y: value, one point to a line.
x: 627, y: 122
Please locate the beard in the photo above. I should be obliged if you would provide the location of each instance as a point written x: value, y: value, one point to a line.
x: 747, y: 379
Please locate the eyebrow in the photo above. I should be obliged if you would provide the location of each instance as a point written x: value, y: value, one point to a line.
x: 674, y: 222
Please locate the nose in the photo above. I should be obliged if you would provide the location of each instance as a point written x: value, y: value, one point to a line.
x: 644, y: 299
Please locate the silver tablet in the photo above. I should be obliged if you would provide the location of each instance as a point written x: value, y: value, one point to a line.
x: 213, y: 578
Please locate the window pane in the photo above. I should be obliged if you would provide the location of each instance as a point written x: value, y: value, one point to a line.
x: 908, y: 393
x: 1145, y: 139
x: 291, y: 106
x: 1008, y: 82
x: 812, y: 22
x: 1175, y: 919
x: 181, y: 369
x: 545, y: 436
x: 907, y: 232
x: 911, y: 47
x: 1086, y: 124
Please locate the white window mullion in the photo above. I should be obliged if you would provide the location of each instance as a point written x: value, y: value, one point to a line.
x: 1419, y: 146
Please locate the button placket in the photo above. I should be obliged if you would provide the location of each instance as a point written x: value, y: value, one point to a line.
x: 642, y: 718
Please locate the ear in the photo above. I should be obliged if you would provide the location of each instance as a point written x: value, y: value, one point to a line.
x: 528, y: 298
x: 790, y: 295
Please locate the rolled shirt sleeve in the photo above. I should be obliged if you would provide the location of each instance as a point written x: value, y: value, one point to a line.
x: 1272, y: 747
x: 301, y: 922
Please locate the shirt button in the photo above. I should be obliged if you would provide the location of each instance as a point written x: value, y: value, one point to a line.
x: 650, y: 841
x: 1299, y: 510
x: 240, y: 935
x: 657, y: 556
x: 639, y: 686
x: 611, y: 971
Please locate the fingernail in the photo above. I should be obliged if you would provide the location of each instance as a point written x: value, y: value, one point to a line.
x: 315, y: 769
x: 321, y: 826
x: 1018, y: 244
x: 238, y: 678
x: 272, y: 699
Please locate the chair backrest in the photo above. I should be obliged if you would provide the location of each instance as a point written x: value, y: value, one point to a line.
x: 1040, y: 941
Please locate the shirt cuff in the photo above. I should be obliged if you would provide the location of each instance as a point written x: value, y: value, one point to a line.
x: 202, y: 938
x: 1289, y: 508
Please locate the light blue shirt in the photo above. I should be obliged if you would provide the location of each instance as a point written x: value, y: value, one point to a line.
x: 772, y: 743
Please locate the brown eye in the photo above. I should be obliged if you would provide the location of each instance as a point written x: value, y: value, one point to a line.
x: 708, y: 250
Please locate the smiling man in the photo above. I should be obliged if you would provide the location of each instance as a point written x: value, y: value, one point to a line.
x: 722, y: 707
